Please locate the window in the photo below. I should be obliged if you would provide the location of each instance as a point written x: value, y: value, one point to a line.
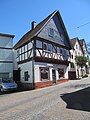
x: 75, y: 53
x: 76, y: 47
x: 22, y: 57
x: 69, y: 54
x: 58, y: 50
x: 17, y: 53
x: 38, y: 44
x: 64, y: 52
x: 72, y: 65
x: 72, y: 56
x: 23, y: 50
x: 61, y: 51
x: 49, y: 47
x: 4, y: 75
x: 61, y: 73
x: 26, y: 55
x: 44, y: 46
x: 20, y: 50
x: 51, y: 32
x: 44, y: 73
x: 54, y: 49
x: 26, y: 76
x: 30, y: 45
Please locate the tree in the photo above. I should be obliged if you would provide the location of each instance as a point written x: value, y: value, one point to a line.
x: 81, y: 61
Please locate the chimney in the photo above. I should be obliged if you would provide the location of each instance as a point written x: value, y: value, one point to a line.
x: 33, y: 25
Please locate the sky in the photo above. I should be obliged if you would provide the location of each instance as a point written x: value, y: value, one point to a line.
x: 16, y: 16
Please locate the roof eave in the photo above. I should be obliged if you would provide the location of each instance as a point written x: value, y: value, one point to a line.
x: 7, y: 35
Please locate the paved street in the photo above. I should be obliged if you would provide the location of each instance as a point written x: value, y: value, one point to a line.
x: 66, y: 101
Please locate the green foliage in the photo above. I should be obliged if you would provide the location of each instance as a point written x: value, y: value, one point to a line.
x: 81, y: 61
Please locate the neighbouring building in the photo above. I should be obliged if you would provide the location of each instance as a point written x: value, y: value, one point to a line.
x: 84, y: 47
x: 74, y: 69
x: 6, y: 55
x: 43, y: 53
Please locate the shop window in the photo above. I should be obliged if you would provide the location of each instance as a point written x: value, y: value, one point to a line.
x: 44, y: 73
x: 26, y: 76
x: 61, y: 73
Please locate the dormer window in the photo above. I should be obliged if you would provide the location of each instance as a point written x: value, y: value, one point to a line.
x: 51, y: 32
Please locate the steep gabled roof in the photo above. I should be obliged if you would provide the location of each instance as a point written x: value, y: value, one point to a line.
x: 73, y: 41
x: 82, y: 42
x: 30, y: 34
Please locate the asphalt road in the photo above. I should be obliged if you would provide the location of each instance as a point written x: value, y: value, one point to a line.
x: 66, y: 101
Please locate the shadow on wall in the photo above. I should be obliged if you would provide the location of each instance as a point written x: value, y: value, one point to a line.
x: 79, y: 100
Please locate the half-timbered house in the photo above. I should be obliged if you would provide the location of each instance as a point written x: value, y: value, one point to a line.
x: 85, y: 51
x: 75, y: 70
x: 43, y: 53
